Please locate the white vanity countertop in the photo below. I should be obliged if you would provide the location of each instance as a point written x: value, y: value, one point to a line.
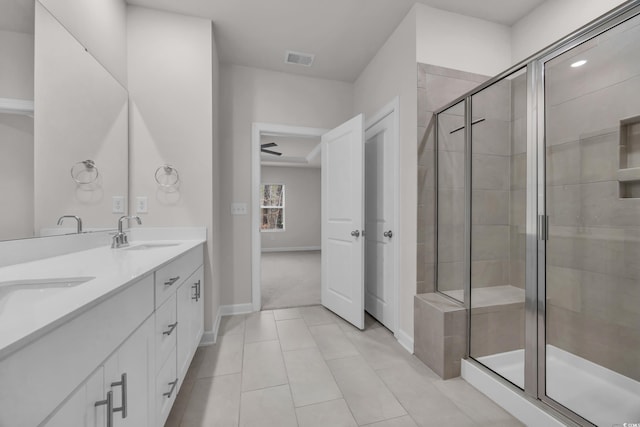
x: 112, y: 269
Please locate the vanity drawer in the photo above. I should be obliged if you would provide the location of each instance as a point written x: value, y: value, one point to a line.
x: 172, y: 275
x: 166, y: 330
x: 166, y: 389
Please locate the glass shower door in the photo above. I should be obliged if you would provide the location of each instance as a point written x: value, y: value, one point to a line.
x: 498, y: 226
x: 592, y: 304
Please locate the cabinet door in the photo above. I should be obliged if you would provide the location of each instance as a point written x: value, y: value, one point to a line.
x: 190, y: 320
x: 80, y: 409
x: 127, y: 374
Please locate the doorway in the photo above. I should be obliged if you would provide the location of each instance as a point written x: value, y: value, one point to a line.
x: 365, y: 270
x: 290, y: 221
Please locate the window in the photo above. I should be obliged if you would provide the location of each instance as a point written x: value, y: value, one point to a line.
x: 272, y: 207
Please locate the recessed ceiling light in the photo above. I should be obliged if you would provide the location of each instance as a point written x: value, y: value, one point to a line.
x: 579, y: 63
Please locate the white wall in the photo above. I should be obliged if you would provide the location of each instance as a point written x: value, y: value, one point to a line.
x: 551, y: 21
x: 254, y: 95
x: 16, y: 136
x: 391, y: 73
x: 302, y: 207
x: 172, y: 65
x: 100, y: 26
x: 461, y: 42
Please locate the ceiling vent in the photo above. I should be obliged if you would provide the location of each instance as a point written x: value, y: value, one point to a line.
x: 298, y: 58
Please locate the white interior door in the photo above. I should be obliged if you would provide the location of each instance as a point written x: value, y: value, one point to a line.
x: 379, y: 220
x: 342, y: 220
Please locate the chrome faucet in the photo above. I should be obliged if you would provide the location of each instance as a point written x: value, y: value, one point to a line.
x: 77, y: 218
x: 121, y: 239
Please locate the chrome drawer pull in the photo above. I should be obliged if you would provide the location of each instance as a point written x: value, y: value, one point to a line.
x: 173, y: 387
x: 171, y: 281
x: 196, y: 287
x: 171, y: 328
x: 109, y: 402
x: 122, y: 383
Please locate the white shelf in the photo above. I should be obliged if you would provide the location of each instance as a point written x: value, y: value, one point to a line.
x: 16, y: 106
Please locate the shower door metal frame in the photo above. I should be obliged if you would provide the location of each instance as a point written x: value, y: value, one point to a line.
x: 536, y: 214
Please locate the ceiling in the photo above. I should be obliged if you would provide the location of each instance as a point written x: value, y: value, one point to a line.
x: 344, y: 35
x: 296, y: 152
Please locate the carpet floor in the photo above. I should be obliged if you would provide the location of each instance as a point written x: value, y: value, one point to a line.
x: 290, y: 279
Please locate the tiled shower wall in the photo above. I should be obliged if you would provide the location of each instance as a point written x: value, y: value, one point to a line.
x: 593, y: 252
x: 437, y: 86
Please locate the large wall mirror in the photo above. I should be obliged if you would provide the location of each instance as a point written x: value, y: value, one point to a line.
x: 63, y: 129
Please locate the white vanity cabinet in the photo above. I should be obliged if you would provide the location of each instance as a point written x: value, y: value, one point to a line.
x: 117, y: 393
x: 179, y: 326
x: 190, y: 320
x: 118, y: 363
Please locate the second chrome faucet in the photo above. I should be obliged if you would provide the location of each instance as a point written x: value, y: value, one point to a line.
x: 120, y: 239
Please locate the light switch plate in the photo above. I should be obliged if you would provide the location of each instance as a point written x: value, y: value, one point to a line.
x: 142, y: 204
x: 238, y: 208
x: 117, y: 204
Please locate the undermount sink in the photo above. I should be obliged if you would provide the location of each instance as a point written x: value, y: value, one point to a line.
x: 147, y: 246
x: 20, y: 293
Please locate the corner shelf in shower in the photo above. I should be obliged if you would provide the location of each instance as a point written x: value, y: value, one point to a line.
x: 16, y: 106
x: 629, y: 158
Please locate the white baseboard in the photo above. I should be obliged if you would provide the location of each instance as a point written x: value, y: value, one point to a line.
x: 405, y: 340
x: 228, y: 310
x: 292, y: 249
x: 208, y: 338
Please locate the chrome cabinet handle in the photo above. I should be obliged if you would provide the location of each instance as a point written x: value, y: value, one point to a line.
x: 172, y: 326
x: 122, y: 383
x: 109, y: 403
x: 196, y: 287
x: 173, y: 387
x: 171, y: 281
x: 388, y: 234
x: 355, y: 233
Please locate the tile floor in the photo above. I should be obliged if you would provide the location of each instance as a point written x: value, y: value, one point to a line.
x: 307, y: 367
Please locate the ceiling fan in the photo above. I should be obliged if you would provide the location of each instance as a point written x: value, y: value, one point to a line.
x: 263, y: 148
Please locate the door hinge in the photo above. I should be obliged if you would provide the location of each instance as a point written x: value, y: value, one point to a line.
x: 543, y: 227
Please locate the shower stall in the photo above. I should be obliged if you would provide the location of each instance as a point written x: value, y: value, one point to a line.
x: 538, y: 221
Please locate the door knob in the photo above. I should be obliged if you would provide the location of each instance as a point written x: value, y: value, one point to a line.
x: 388, y: 234
x: 355, y: 233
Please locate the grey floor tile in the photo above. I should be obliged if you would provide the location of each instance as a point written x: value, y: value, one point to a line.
x: 294, y: 335
x: 287, y: 313
x: 262, y: 366
x: 317, y: 315
x: 367, y: 396
x: 334, y: 414
x: 405, y: 421
x: 222, y: 358
x: 378, y: 347
x: 310, y: 379
x: 192, y: 373
x: 473, y: 403
x: 214, y: 402
x: 232, y: 325
x: 422, y: 400
x: 260, y: 326
x: 332, y: 342
x: 180, y: 405
x: 269, y: 407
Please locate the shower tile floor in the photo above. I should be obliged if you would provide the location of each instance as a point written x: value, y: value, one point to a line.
x: 306, y: 367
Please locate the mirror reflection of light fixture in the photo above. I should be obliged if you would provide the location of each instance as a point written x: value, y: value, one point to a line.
x: 579, y: 63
